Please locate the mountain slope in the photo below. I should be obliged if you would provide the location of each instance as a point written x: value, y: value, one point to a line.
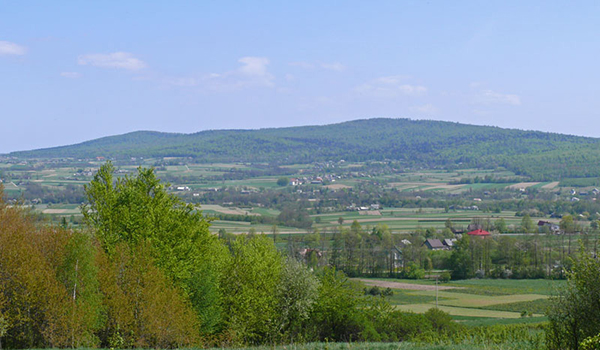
x: 414, y: 142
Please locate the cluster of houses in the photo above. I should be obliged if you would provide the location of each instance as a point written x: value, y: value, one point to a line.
x: 458, y: 207
x: 315, y: 180
x: 448, y: 243
x: 353, y: 207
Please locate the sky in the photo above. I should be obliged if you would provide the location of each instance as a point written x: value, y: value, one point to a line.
x: 72, y: 71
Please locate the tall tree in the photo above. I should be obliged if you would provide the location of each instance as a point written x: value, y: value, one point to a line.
x: 136, y: 210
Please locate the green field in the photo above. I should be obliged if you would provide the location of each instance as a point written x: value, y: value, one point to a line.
x: 477, y: 301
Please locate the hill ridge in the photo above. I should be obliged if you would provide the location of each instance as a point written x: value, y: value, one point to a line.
x: 426, y: 143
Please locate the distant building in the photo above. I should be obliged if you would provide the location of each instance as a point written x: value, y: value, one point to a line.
x: 479, y: 233
x: 434, y: 244
x: 552, y: 227
x: 449, y: 242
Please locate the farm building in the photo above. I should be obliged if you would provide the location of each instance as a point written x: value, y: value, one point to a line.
x: 552, y: 227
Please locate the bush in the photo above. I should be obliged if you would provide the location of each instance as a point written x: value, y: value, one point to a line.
x: 445, y: 277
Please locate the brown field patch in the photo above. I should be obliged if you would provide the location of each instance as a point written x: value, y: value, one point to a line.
x: 414, y: 184
x: 405, y: 286
x: 550, y: 185
x: 446, y: 187
x: 224, y: 210
x: 426, y: 185
x: 337, y: 186
x: 370, y: 212
x: 522, y: 185
x: 54, y: 211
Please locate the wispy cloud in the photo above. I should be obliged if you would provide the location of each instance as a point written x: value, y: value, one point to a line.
x: 118, y: 60
x: 8, y: 48
x: 335, y: 66
x: 70, y: 75
x: 390, y: 86
x: 488, y: 97
x: 424, y: 109
x: 182, y: 81
x: 252, y: 73
x: 303, y: 65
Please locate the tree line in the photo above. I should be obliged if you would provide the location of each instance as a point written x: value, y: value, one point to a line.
x: 146, y: 272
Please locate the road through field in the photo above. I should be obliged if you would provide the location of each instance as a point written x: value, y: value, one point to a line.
x: 400, y: 285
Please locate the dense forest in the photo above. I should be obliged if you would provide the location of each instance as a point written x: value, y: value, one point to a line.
x: 411, y: 143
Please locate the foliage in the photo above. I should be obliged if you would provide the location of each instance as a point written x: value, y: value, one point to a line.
x: 48, y: 290
x: 336, y: 314
x: 138, y: 211
x: 460, y: 260
x: 283, y: 181
x: 143, y: 308
x: 297, y: 293
x: 414, y: 142
x: 250, y: 284
x: 575, y: 313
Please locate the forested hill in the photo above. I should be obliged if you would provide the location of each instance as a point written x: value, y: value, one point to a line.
x: 412, y: 142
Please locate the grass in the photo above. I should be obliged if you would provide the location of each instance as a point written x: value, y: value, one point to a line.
x: 480, y: 301
x: 403, y: 297
x: 466, y: 345
x: 538, y: 306
x: 459, y: 311
x: 483, y: 321
x: 507, y: 286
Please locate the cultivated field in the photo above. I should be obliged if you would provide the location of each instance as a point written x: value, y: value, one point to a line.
x: 473, y: 301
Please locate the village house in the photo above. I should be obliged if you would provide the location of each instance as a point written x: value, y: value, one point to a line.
x: 546, y: 225
x: 434, y: 244
x: 479, y: 233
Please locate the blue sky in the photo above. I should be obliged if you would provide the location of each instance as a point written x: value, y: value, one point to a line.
x: 71, y: 71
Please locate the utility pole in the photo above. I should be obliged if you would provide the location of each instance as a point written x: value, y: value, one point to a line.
x: 436, y: 292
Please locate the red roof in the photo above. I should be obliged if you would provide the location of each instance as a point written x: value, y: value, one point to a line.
x: 478, y: 232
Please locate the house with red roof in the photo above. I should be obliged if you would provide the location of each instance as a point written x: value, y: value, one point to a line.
x: 479, y: 233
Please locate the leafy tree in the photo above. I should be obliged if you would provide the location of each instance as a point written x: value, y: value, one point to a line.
x: 337, y: 313
x: 297, y: 293
x: 567, y: 224
x: 250, y: 284
x: 500, y: 225
x: 574, y: 314
x: 448, y: 223
x: 142, y: 306
x: 461, y: 262
x: 527, y: 224
x: 138, y: 210
x: 283, y: 181
x: 78, y: 273
x: 33, y: 303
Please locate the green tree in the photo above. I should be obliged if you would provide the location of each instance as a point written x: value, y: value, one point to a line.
x: 574, y: 314
x: 567, y: 224
x: 138, y: 210
x: 283, y: 181
x: 336, y: 315
x: 461, y: 261
x: 297, y: 293
x: 250, y: 284
x: 448, y: 223
x: 500, y: 225
x: 527, y: 224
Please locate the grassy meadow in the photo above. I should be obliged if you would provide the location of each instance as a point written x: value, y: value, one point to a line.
x: 474, y: 302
